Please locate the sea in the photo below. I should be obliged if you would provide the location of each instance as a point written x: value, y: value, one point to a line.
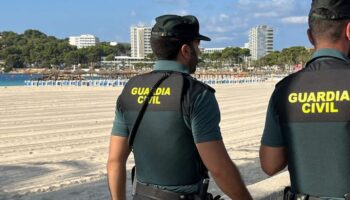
x: 8, y: 79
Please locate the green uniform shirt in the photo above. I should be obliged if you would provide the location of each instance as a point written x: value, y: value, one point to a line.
x: 273, y: 135
x: 203, y: 123
x: 313, y: 128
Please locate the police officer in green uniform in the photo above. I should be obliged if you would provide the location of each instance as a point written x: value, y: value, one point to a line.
x: 172, y: 123
x: 307, y: 123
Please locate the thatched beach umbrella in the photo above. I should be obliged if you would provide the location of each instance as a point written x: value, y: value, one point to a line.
x: 115, y: 73
x: 78, y: 73
x: 128, y: 73
x: 46, y: 74
x: 91, y: 71
x: 53, y: 74
x: 103, y: 72
x: 66, y: 71
x: 66, y: 74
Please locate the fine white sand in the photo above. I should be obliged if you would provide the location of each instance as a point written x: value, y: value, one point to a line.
x: 54, y: 140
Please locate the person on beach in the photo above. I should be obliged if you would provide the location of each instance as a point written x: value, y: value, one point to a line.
x: 171, y: 123
x: 307, y: 122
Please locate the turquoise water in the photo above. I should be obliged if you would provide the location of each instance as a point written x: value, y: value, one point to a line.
x: 17, y: 79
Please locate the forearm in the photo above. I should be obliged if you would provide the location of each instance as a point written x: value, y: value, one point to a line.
x: 117, y: 180
x: 223, y: 170
x: 231, y: 183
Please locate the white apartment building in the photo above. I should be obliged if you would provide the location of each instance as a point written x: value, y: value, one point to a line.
x: 140, y: 41
x: 260, y: 41
x: 83, y: 41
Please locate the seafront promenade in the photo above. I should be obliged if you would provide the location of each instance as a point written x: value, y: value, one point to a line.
x: 54, y: 140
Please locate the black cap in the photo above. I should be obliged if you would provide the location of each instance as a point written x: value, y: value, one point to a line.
x: 186, y: 27
x: 330, y: 9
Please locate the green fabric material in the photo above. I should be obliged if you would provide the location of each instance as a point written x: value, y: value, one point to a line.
x: 206, y: 113
x: 174, y: 167
x: 307, y: 155
x: 312, y: 146
x: 330, y: 52
x: 120, y: 127
x: 272, y: 135
x: 206, y: 118
x: 203, y: 123
x: 170, y: 65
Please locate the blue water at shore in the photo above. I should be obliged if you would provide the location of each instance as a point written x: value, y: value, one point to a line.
x: 17, y: 79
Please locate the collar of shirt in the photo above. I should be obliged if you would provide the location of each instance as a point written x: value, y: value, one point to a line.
x: 170, y: 65
x: 330, y: 52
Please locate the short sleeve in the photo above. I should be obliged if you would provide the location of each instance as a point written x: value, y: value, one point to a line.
x: 120, y: 127
x: 205, y: 118
x: 272, y: 135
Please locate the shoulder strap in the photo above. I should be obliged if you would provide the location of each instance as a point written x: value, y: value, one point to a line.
x: 143, y: 109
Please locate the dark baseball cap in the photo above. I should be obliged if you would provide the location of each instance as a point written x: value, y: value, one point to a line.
x: 330, y: 9
x: 186, y: 27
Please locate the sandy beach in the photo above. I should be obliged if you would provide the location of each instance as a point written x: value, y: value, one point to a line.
x: 54, y: 140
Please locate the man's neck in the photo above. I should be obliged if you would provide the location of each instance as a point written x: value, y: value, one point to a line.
x: 339, y: 46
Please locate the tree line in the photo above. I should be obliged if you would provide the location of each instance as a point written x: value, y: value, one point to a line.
x: 287, y: 57
x: 235, y: 56
x: 228, y: 57
x: 35, y: 49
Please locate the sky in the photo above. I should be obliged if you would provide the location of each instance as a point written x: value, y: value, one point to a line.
x: 226, y: 22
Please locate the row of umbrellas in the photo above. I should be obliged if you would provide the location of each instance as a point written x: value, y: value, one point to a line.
x: 54, y: 73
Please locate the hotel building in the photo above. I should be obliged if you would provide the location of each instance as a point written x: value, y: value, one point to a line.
x: 83, y: 41
x: 140, y: 41
x: 260, y: 41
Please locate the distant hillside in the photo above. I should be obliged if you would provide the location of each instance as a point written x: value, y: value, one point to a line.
x: 35, y: 49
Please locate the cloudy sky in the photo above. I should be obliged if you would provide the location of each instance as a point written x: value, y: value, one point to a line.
x: 227, y: 22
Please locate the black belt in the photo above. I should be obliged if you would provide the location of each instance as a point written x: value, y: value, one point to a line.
x: 289, y: 195
x: 159, y: 194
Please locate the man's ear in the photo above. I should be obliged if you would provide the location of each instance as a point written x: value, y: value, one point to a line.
x: 185, y: 51
x: 311, y: 37
x: 347, y: 29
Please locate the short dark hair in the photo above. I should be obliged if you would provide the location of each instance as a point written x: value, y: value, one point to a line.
x: 325, y: 29
x: 167, y: 48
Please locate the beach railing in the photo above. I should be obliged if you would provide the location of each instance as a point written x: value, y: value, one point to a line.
x: 122, y: 82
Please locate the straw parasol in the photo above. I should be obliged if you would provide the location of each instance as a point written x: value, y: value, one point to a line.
x: 78, y: 73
